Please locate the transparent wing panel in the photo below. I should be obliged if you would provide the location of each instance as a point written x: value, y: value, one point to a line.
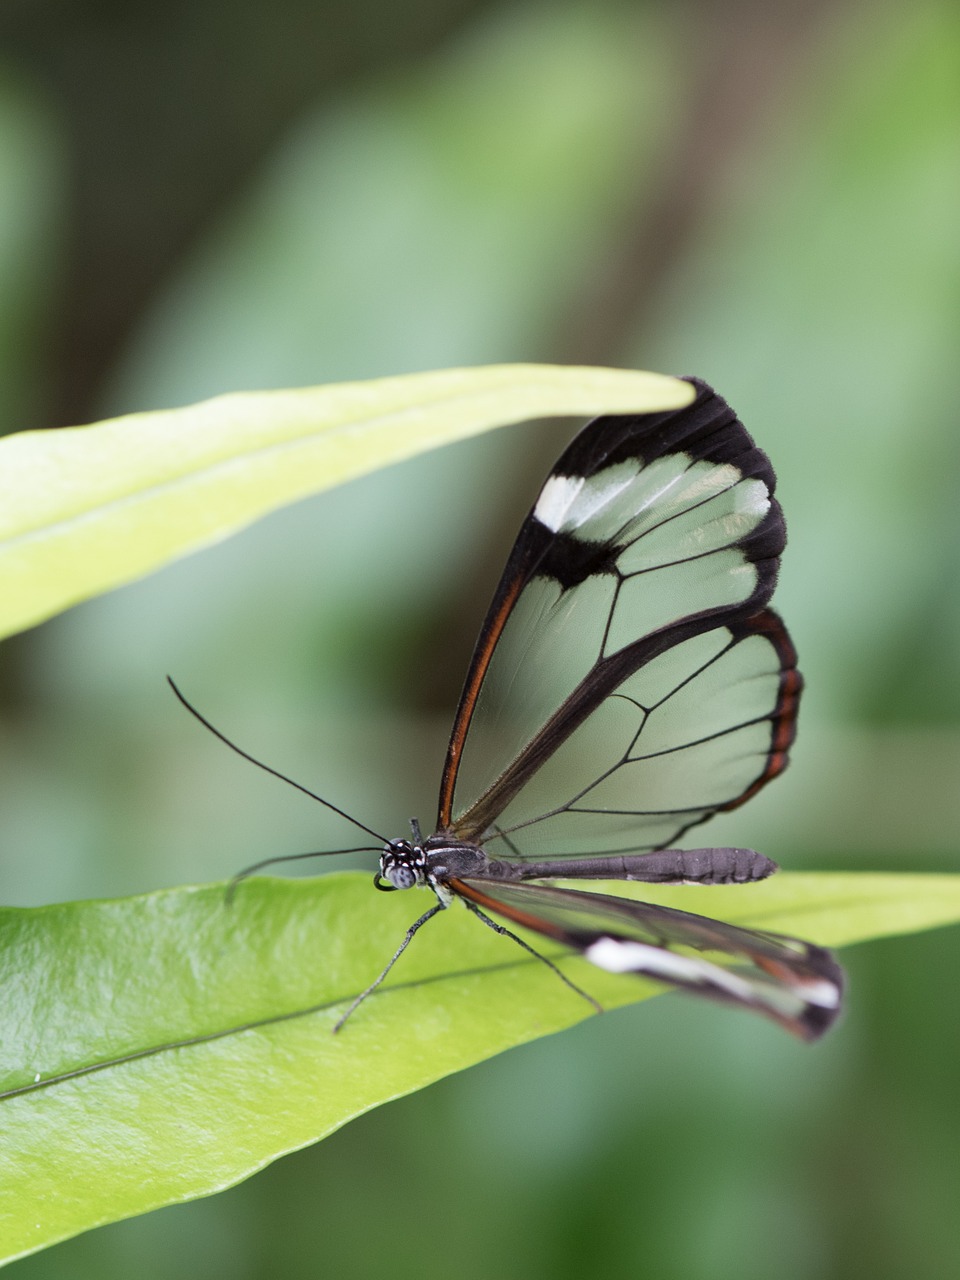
x: 681, y: 738
x: 551, y: 639
x: 647, y: 602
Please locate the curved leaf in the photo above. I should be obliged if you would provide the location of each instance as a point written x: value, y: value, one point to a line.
x: 160, y: 1048
x: 84, y: 509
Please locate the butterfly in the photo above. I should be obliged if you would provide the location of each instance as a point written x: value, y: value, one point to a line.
x: 629, y: 682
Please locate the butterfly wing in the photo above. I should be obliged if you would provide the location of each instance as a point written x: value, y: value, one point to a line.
x: 629, y: 680
x: 795, y: 983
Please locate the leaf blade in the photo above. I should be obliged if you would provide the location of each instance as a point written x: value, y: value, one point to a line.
x: 263, y: 982
x: 86, y: 509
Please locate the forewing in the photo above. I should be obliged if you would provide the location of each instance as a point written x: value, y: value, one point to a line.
x: 795, y: 983
x: 628, y: 681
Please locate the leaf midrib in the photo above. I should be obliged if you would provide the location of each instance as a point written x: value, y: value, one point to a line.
x: 290, y: 1015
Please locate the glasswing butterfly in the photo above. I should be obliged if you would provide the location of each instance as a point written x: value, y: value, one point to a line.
x: 629, y: 682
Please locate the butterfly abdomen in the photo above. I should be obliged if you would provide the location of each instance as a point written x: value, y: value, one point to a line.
x: 722, y: 866
x: 665, y: 866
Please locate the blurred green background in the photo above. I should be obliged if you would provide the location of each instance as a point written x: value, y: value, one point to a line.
x: 197, y: 198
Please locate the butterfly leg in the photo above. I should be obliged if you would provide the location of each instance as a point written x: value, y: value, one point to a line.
x: 407, y: 939
x: 506, y: 933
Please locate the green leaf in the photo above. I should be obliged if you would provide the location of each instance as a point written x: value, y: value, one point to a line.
x: 86, y: 509
x: 160, y: 1048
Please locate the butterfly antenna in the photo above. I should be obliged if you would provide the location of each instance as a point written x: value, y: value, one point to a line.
x: 267, y: 769
x: 291, y: 857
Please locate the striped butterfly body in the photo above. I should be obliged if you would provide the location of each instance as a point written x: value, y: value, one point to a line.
x: 629, y: 682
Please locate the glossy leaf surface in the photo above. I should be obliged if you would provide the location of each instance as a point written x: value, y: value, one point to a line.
x: 160, y: 1048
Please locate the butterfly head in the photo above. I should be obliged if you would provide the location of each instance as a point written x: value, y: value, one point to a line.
x: 403, y: 864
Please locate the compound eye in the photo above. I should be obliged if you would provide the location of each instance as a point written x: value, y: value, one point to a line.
x: 401, y: 877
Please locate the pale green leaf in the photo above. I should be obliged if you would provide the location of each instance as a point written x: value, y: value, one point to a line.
x: 84, y: 509
x: 160, y: 1048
